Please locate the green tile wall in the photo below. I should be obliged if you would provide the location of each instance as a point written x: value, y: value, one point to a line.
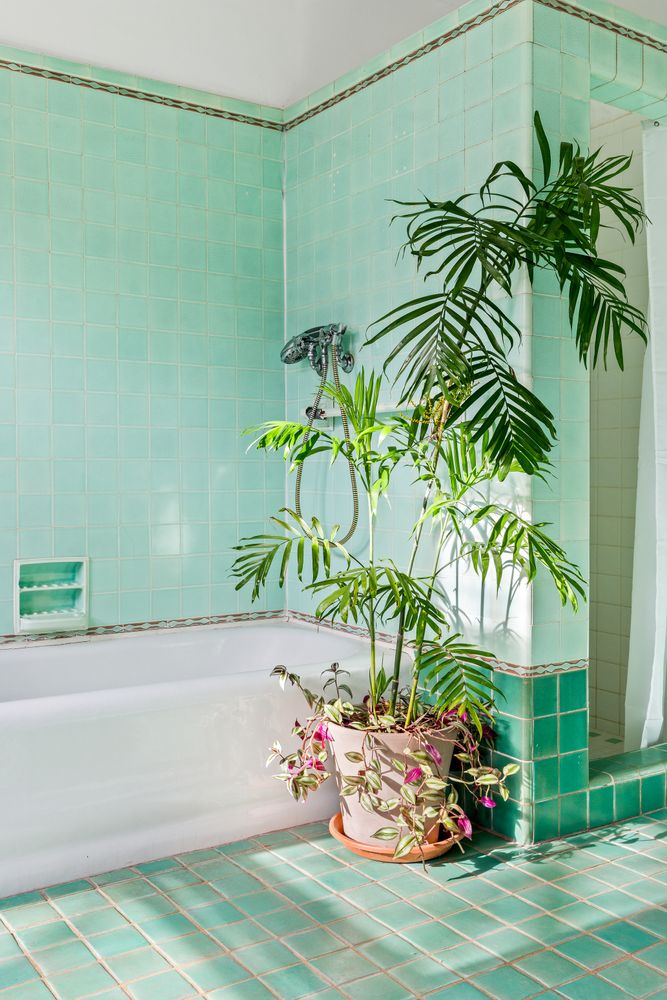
x: 436, y: 125
x: 140, y: 322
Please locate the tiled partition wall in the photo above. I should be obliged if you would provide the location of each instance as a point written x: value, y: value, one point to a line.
x: 140, y: 324
x: 432, y: 128
x: 576, y: 56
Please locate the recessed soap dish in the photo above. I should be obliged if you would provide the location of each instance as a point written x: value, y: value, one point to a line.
x: 50, y: 595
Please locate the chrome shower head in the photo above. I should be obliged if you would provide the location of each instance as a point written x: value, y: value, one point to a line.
x: 313, y: 344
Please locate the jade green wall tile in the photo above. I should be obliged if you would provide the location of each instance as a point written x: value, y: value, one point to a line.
x: 601, y: 805
x: 514, y: 694
x: 545, y: 696
x: 573, y: 813
x: 573, y: 772
x: 512, y: 736
x: 573, y: 731
x: 116, y: 311
x: 626, y: 799
x: 653, y: 792
x: 546, y: 777
x: 573, y: 690
x: 546, y: 819
x: 545, y: 736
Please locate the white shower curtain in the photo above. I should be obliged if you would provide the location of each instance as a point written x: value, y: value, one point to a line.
x: 646, y: 692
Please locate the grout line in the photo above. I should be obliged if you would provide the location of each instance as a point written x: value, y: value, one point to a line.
x: 258, y: 846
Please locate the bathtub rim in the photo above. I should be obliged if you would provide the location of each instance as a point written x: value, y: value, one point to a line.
x: 157, y: 692
x: 134, y: 629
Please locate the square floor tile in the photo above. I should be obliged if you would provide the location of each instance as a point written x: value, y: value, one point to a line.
x: 136, y: 964
x: 82, y: 982
x: 266, y: 957
x: 549, y: 968
x: 377, y: 987
x: 508, y: 984
x: 294, y: 983
x: 215, y: 972
x: 635, y: 979
x: 16, y: 970
x: 166, y: 986
x: 62, y: 957
x: 422, y: 975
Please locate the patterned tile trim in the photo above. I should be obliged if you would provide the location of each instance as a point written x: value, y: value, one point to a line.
x: 139, y: 95
x: 101, y: 630
x: 462, y: 29
x: 423, y: 50
x: 604, y: 22
x: 435, y: 43
x: 539, y: 669
x: 505, y: 667
x: 356, y: 630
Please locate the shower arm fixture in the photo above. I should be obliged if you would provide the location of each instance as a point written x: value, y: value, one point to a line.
x: 315, y: 345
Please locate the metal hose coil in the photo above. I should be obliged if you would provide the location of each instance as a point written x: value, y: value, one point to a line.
x: 346, y: 434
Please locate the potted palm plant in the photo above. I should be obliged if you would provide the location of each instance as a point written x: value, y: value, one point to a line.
x: 464, y: 422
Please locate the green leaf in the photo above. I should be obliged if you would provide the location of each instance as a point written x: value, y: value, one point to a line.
x: 405, y: 845
x: 545, y: 150
x: 386, y: 833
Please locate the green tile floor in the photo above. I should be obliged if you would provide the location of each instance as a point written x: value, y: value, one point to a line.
x: 293, y: 915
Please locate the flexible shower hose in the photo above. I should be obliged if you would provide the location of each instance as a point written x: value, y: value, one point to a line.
x: 346, y: 433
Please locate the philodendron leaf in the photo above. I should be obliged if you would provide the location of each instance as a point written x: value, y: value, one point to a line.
x: 386, y: 833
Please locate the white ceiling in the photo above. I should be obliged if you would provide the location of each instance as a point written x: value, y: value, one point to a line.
x: 269, y: 51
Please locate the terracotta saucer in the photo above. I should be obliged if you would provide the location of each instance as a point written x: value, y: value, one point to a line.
x: 380, y: 853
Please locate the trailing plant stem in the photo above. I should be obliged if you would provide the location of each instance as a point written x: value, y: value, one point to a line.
x: 421, y: 630
x: 371, y: 605
x: 398, y: 652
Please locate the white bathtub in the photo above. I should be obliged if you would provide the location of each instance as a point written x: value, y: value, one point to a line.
x: 123, y: 749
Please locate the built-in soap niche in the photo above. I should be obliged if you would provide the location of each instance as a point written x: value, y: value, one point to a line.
x: 50, y: 595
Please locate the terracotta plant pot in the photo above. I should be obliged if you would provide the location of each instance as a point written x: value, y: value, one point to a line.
x: 426, y: 852
x: 358, y: 824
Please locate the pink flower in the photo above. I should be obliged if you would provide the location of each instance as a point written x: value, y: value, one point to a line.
x: 414, y: 775
x: 433, y: 753
x: 487, y: 801
x: 465, y: 825
x: 321, y: 734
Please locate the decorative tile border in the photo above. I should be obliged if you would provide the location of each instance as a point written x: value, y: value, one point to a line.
x: 539, y: 669
x: 139, y: 95
x: 392, y: 67
x: 451, y: 34
x: 356, y: 630
x: 604, y: 22
x: 97, y: 631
